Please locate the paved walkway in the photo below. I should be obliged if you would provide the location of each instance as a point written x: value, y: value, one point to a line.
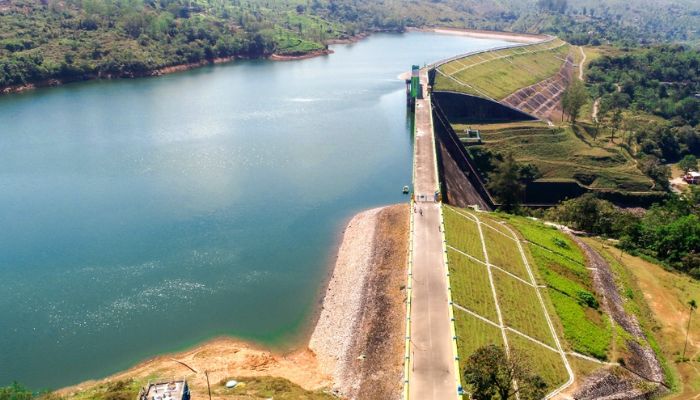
x: 432, y: 375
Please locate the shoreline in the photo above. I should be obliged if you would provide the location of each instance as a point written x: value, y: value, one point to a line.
x: 317, y: 362
x: 475, y: 33
x: 304, y: 56
x: 483, y: 34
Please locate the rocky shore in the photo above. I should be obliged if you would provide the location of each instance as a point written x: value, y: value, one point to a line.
x: 359, y: 335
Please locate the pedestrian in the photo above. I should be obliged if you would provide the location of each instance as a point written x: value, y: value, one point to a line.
x: 421, y: 212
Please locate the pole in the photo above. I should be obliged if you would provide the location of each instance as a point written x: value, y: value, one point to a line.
x: 206, y: 373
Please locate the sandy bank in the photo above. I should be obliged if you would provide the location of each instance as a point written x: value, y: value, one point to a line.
x: 222, y: 358
x: 362, y: 315
x: 482, y: 34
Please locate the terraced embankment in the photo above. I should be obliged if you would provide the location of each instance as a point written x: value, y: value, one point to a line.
x: 530, y: 78
x: 498, y: 298
x: 530, y: 288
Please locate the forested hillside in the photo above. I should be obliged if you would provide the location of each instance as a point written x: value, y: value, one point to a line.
x: 650, y: 98
x: 79, y: 39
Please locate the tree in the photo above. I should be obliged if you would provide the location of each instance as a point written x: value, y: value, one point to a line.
x: 615, y: 122
x: 693, y: 305
x: 491, y: 372
x: 689, y: 162
x: 505, y: 184
x: 652, y: 167
x: 573, y: 98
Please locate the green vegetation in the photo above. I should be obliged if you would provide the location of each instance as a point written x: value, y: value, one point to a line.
x: 503, y: 253
x: 506, y: 182
x: 470, y: 285
x: 660, y: 80
x: 669, y: 232
x: 560, y: 154
x: 668, y: 294
x: 561, y: 264
x: 15, y: 392
x: 473, y: 333
x: 521, y: 309
x: 635, y: 304
x: 573, y: 98
x: 126, y: 389
x: 464, y: 235
x: 471, y: 289
x: 688, y: 163
x: 549, y: 364
x: 74, y: 40
x: 496, y: 74
x: 647, y: 113
x: 264, y: 387
x: 79, y: 39
x: 490, y: 373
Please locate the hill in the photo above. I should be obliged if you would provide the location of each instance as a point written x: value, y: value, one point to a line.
x: 50, y: 41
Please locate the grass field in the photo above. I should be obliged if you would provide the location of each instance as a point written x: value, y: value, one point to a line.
x: 658, y: 298
x: 503, y: 253
x: 496, y: 74
x: 473, y: 333
x: 547, y: 363
x: 471, y: 289
x: 267, y: 387
x: 464, y: 234
x: 521, y: 308
x: 562, y: 268
x: 562, y: 154
x: 470, y: 285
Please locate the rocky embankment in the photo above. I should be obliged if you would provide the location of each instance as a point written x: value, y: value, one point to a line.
x: 359, y: 336
x: 641, y: 375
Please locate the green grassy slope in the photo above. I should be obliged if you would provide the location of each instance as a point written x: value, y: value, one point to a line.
x: 562, y: 268
x: 561, y: 154
x: 496, y: 74
x: 471, y: 290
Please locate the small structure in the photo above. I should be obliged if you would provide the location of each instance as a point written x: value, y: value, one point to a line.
x: 471, y: 136
x: 165, y: 390
x: 692, y: 178
x: 413, y: 87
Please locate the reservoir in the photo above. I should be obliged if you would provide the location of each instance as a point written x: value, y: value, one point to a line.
x: 144, y: 216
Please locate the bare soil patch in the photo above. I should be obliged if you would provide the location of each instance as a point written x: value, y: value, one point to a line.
x: 221, y: 358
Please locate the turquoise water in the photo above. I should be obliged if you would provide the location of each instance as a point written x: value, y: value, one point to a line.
x: 142, y: 216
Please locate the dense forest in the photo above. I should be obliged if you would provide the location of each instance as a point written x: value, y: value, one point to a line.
x: 662, y: 80
x: 68, y: 40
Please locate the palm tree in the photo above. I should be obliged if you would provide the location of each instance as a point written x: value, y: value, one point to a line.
x: 693, y: 305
